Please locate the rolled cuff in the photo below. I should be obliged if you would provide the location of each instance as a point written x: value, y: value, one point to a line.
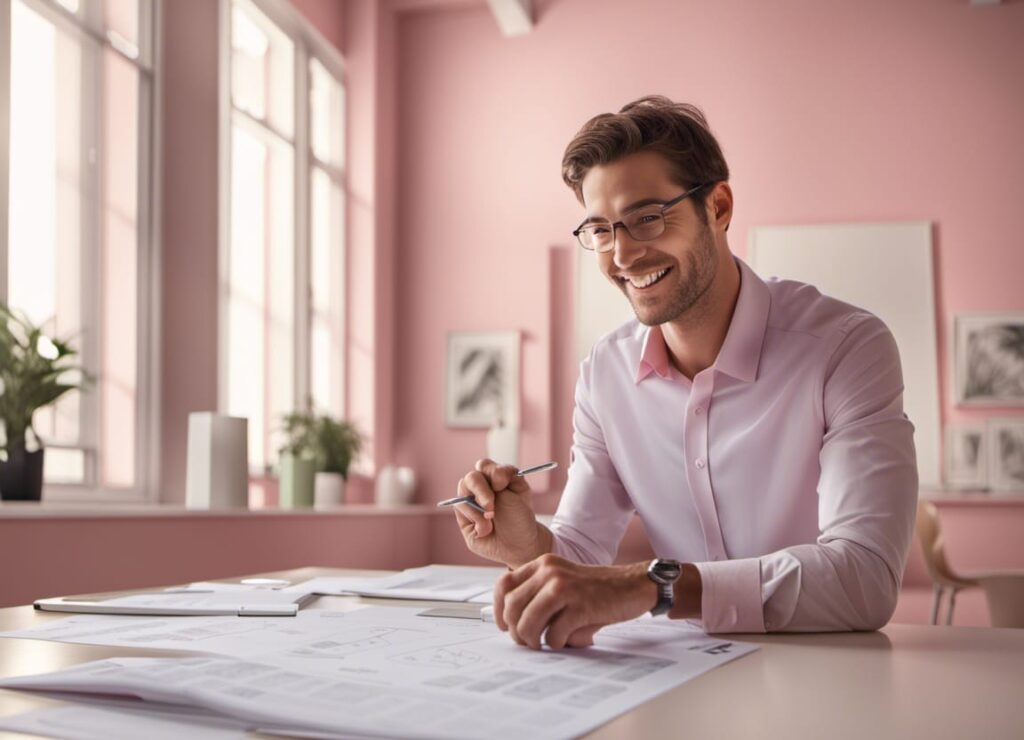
x: 731, y: 596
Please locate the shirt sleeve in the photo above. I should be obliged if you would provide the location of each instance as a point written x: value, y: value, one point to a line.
x: 595, y: 509
x: 849, y: 579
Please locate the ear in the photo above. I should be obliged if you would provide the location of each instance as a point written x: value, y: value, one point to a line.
x: 719, y: 204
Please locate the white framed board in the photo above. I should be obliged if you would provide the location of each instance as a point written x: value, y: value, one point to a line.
x: 885, y: 268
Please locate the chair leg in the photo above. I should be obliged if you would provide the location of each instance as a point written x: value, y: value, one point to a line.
x: 936, y: 602
x: 952, y: 604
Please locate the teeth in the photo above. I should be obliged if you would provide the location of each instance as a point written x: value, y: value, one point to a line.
x: 646, y: 280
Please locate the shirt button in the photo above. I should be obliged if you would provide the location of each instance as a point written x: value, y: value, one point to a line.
x: 699, y: 462
x: 699, y: 410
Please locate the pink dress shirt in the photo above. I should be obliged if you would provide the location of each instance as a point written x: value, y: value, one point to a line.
x: 785, y: 472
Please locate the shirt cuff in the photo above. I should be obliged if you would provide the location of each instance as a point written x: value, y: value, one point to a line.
x: 731, y: 596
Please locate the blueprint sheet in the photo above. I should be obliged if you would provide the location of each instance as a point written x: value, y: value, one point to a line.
x: 384, y: 670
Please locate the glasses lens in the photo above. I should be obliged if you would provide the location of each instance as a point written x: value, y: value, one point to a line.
x: 646, y: 224
x: 596, y: 236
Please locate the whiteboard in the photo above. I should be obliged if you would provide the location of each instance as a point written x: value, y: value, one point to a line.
x: 600, y: 306
x: 887, y: 270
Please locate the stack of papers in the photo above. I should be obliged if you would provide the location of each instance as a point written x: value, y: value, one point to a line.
x: 430, y: 583
x: 195, y: 600
x: 384, y: 671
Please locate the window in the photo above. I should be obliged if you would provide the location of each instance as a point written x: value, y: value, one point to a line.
x: 282, y: 253
x: 77, y: 242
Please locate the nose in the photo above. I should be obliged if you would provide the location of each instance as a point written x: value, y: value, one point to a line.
x: 625, y: 249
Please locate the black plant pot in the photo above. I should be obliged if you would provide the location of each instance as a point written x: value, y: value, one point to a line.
x: 21, y: 475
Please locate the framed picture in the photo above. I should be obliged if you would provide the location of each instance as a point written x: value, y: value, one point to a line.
x: 1006, y: 454
x: 482, y: 379
x: 966, y: 457
x: 989, y: 359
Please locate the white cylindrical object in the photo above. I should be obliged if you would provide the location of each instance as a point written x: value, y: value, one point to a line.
x: 217, y: 472
x: 503, y: 444
x: 328, y: 490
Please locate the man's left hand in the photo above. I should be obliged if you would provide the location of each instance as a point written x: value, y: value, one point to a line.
x: 569, y: 601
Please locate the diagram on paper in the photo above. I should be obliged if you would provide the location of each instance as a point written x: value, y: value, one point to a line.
x: 372, y: 638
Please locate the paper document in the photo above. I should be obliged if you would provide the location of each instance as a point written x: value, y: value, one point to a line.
x: 384, y: 670
x: 221, y: 635
x: 191, y: 601
x: 430, y: 583
x: 73, y: 722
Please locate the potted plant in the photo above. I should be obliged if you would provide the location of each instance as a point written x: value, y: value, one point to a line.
x: 298, y: 460
x: 35, y: 371
x: 338, y: 442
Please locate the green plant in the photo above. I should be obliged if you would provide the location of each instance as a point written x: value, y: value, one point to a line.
x: 300, y: 433
x: 332, y: 444
x: 338, y: 443
x: 35, y: 371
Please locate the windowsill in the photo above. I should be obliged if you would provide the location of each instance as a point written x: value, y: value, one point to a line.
x: 96, y: 510
x: 974, y: 498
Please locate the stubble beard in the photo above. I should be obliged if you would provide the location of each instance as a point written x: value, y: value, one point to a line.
x: 702, y: 262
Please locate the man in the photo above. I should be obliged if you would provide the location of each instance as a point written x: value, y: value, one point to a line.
x: 756, y: 427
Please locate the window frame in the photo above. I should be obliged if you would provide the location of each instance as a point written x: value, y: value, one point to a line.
x: 148, y: 65
x: 309, y: 44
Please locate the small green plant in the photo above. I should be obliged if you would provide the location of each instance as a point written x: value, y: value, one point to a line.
x: 300, y: 435
x: 338, y: 444
x: 332, y: 444
x: 35, y: 371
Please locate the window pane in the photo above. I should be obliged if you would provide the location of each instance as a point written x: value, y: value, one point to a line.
x: 117, y: 385
x: 121, y: 19
x: 326, y: 106
x: 49, y: 192
x: 260, y: 287
x: 262, y: 68
x: 64, y: 465
x: 327, y: 275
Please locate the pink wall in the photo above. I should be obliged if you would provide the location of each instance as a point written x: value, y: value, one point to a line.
x: 327, y: 16
x: 828, y: 112
x: 188, y: 209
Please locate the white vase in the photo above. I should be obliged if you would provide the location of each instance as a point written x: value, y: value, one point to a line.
x: 328, y: 490
x: 395, y: 486
x: 503, y: 444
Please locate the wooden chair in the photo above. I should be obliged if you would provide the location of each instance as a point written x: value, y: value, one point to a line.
x: 1004, y: 590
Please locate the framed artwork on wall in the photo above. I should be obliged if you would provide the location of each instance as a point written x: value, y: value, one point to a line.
x: 1006, y: 454
x: 966, y: 457
x: 482, y: 379
x: 989, y: 359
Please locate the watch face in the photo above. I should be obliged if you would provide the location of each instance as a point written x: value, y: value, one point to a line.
x: 665, y: 571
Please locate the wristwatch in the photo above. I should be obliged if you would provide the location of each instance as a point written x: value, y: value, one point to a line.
x: 664, y: 573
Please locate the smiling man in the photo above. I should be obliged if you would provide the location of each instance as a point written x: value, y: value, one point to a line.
x: 756, y: 427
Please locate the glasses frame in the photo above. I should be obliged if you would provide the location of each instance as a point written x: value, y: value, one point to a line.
x: 615, y: 224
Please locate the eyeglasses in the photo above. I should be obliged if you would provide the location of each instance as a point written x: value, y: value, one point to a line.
x: 643, y: 224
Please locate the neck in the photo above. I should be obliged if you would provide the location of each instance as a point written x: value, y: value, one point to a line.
x: 695, y: 338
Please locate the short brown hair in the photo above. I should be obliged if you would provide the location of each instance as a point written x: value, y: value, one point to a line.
x: 678, y: 131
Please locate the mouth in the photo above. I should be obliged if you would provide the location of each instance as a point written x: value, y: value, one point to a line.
x: 646, y: 281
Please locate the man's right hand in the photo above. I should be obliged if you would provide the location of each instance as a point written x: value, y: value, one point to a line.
x: 509, y: 532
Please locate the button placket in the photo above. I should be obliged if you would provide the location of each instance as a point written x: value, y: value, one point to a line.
x: 696, y: 451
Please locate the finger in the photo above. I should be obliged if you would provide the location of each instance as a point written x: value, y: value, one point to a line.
x: 507, y: 583
x: 518, y: 600
x: 502, y: 476
x: 480, y: 525
x: 565, y: 623
x: 477, y: 485
x: 584, y: 636
x: 545, y: 605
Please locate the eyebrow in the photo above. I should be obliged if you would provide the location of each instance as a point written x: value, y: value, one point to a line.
x: 631, y: 207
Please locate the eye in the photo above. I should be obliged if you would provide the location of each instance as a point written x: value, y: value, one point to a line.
x: 647, y: 218
x: 598, y: 229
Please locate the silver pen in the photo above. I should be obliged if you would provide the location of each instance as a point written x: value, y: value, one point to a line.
x: 470, y: 501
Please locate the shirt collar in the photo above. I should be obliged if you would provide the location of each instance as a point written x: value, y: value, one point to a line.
x: 740, y: 354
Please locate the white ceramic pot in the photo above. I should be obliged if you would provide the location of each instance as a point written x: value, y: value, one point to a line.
x: 328, y: 490
x: 395, y: 486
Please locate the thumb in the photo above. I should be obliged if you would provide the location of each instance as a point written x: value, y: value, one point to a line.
x: 583, y: 637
